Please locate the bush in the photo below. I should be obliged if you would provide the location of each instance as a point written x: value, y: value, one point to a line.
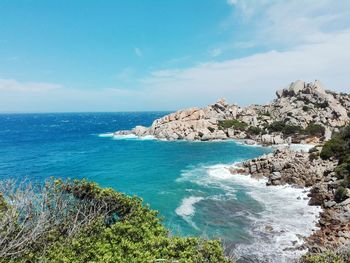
x: 252, y: 130
x: 327, y: 257
x: 333, y: 148
x: 291, y: 129
x: 276, y: 126
x: 77, y: 221
x: 314, y: 130
x: 235, y: 124
x: 322, y: 105
x: 340, y: 194
x: 286, y: 129
x: 306, y: 108
x: 211, y: 129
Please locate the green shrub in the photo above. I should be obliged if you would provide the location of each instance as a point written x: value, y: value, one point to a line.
x: 306, y: 108
x: 276, y: 126
x: 211, y: 129
x: 314, y: 130
x: 286, y: 129
x: 340, y: 194
x: 314, y: 156
x: 252, y: 130
x: 327, y: 257
x: 322, y: 105
x: 118, y: 229
x: 343, y: 170
x: 291, y: 129
x: 235, y: 124
x: 333, y: 148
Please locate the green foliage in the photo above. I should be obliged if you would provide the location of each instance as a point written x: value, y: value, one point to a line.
x: 252, y: 130
x: 327, y: 257
x: 123, y: 231
x: 286, y: 129
x: 211, y: 129
x: 333, y: 147
x: 314, y: 130
x: 276, y: 126
x: 291, y: 129
x: 235, y: 124
x: 322, y: 105
x: 306, y: 108
x: 340, y: 194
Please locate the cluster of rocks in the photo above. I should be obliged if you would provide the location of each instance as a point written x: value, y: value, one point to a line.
x: 298, y: 169
x: 300, y: 104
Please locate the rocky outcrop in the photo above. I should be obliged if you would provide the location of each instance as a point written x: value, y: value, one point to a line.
x: 289, y: 167
x: 298, y: 105
x: 302, y: 170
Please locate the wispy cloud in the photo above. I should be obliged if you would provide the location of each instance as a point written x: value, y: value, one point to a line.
x: 294, y: 22
x: 11, y: 85
x: 255, y: 78
x: 138, y: 52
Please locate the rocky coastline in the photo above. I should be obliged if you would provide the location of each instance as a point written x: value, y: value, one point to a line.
x: 302, y: 113
x: 284, y: 120
x: 300, y: 169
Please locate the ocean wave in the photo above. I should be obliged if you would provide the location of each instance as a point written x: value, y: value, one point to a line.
x: 126, y: 136
x: 187, y: 209
x: 108, y: 134
x: 285, y: 218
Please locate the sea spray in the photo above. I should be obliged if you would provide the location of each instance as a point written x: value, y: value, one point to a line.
x: 276, y: 229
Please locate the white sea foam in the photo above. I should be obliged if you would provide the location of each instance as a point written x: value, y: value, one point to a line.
x: 108, y: 134
x: 126, y: 136
x: 187, y: 209
x: 286, y: 216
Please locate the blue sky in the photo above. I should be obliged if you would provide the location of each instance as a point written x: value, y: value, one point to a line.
x: 164, y: 55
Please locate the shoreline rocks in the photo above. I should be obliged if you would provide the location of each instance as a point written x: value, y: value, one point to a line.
x: 278, y: 122
x: 299, y: 170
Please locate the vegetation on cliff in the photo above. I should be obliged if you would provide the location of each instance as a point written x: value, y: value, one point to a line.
x: 77, y: 221
x: 339, y: 148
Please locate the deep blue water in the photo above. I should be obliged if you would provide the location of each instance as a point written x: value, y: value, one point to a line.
x: 185, y: 181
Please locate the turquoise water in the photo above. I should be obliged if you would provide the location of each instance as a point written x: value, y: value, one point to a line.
x: 188, y: 182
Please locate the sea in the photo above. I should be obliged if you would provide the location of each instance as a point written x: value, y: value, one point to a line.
x: 189, y: 183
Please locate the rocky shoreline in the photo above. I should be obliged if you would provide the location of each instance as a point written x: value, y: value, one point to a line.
x: 302, y: 113
x: 299, y: 169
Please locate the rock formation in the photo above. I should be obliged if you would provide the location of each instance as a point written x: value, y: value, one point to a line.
x: 298, y: 105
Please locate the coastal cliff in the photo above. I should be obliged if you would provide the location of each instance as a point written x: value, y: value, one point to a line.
x: 301, y: 113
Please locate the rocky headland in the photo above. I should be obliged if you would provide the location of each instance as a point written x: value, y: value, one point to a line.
x: 301, y: 113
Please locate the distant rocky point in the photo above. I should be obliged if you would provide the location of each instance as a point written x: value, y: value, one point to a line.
x: 301, y: 113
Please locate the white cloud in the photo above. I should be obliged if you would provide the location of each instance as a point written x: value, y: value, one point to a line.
x: 232, y: 2
x: 138, y: 52
x: 292, y: 22
x: 48, y: 97
x: 254, y: 79
x: 11, y: 85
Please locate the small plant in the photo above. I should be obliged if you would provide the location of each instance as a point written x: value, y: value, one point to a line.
x: 235, y: 124
x: 252, y: 130
x: 211, y: 129
x: 314, y: 130
x: 306, y: 108
x: 326, y: 257
x: 322, y: 105
x: 340, y: 194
